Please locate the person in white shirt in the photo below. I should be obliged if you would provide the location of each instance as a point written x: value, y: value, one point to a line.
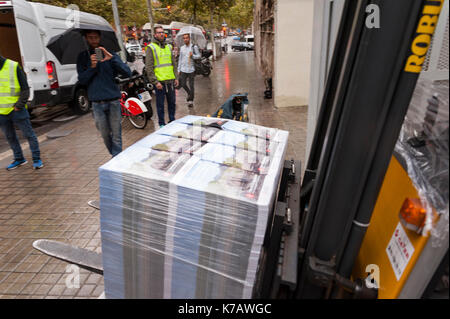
x: 186, y: 67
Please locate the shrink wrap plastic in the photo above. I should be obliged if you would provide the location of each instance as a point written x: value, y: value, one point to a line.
x: 184, y: 210
x: 423, y: 146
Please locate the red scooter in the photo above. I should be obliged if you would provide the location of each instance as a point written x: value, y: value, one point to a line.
x: 136, y: 99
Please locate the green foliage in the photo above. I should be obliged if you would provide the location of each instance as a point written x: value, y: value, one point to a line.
x: 240, y: 15
x: 237, y: 13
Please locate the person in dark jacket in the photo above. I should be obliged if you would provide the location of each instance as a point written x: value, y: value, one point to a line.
x: 103, y: 91
x: 233, y: 108
x: 14, y: 94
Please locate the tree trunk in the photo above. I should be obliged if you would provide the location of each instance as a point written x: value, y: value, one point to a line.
x: 118, y: 29
x: 194, y: 20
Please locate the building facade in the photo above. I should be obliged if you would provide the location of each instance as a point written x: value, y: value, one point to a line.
x: 283, y: 41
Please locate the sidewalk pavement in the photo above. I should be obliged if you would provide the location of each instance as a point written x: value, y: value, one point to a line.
x: 51, y: 203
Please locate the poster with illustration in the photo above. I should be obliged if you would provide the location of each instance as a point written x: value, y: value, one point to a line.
x: 193, y: 132
x: 203, y: 121
x: 245, y: 142
x: 169, y: 143
x: 235, y: 157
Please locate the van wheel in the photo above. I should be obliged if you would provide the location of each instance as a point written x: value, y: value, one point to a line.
x: 80, y: 103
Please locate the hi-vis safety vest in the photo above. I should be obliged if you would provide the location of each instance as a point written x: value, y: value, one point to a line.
x: 9, y: 87
x: 162, y: 62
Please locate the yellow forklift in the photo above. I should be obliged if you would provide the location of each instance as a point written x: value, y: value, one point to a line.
x: 373, y: 217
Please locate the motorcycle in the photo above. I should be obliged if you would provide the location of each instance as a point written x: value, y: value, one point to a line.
x: 136, y: 99
x: 203, y: 65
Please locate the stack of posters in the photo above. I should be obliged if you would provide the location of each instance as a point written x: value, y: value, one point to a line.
x: 184, y: 211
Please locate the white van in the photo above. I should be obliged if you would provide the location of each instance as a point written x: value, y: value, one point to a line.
x: 250, y: 41
x: 25, y: 30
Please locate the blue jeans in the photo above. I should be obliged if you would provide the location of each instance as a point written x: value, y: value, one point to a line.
x: 22, y: 120
x: 169, y: 91
x: 108, y: 120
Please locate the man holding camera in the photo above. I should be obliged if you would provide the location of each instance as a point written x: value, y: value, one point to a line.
x: 97, y: 70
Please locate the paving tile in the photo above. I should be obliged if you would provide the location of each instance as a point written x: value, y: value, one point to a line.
x: 9, y: 267
x: 21, y: 277
x: 4, y: 287
x: 86, y: 290
x: 39, y: 278
x: 43, y: 289
x: 70, y: 291
x: 60, y: 268
x: 48, y: 268
x: 35, y: 267
x: 4, y: 275
x: 57, y: 290
x: 30, y: 289
x: 16, y: 288
x: 52, y: 278
x: 98, y: 291
x: 93, y: 279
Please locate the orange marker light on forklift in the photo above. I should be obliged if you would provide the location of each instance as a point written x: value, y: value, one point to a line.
x: 413, y: 214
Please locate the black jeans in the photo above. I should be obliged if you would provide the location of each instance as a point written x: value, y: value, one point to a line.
x: 185, y: 79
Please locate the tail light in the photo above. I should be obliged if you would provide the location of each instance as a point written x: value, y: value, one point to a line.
x: 52, y: 77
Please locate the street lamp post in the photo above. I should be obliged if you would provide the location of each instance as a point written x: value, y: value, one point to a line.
x: 118, y: 28
x: 150, y: 17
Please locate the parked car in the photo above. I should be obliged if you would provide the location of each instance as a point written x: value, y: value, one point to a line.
x: 25, y: 30
x: 238, y: 46
x: 242, y: 46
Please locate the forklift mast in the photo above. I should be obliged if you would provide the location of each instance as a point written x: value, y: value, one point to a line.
x: 369, y: 87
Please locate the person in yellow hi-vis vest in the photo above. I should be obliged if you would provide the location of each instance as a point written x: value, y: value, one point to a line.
x: 161, y: 66
x: 14, y: 94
